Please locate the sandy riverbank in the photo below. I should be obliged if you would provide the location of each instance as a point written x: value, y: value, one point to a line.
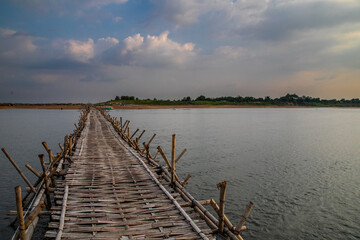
x: 42, y: 106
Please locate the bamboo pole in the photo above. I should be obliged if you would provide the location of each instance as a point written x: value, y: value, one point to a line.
x: 173, y: 160
x: 164, y: 157
x: 51, y: 167
x: 142, y: 133
x: 50, y: 156
x: 33, y: 170
x: 70, y: 145
x: 156, y: 155
x: 127, y: 125
x: 222, y: 187
x: 180, y: 156
x: 61, y: 147
x: 47, y: 191
x: 244, y: 216
x: 226, y: 220
x: 45, y: 146
x: 151, y: 139
x: 20, y: 213
x: 190, y: 204
x: 186, y: 181
x: 63, y: 211
x: 121, y: 126
x: 34, y: 213
x: 134, y: 133
x: 19, y: 170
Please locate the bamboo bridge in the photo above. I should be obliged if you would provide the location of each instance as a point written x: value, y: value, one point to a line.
x: 103, y: 185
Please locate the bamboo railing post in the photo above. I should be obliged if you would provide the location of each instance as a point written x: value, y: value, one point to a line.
x: 20, y: 213
x: 121, y: 126
x: 134, y: 134
x: 33, y: 170
x: 244, y: 216
x: 70, y: 145
x: 173, y: 160
x: 34, y: 213
x: 222, y: 187
x: 51, y: 167
x: 164, y: 157
x: 65, y: 146
x: 45, y: 146
x: 61, y: 147
x: 47, y: 190
x: 19, y: 170
x: 138, y: 139
x: 186, y: 181
x: 180, y: 156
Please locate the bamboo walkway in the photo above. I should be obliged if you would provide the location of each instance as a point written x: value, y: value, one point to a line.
x: 109, y: 192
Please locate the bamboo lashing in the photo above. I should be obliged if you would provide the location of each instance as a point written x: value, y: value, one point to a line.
x: 20, y: 214
x: 19, y: 170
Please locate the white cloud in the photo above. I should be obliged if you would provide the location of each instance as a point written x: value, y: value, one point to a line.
x: 156, y: 50
x: 79, y: 50
x: 84, y: 51
x: 133, y: 43
x: 104, y: 44
x: 16, y: 45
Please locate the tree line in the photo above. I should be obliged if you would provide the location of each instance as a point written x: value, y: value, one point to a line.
x: 287, y: 100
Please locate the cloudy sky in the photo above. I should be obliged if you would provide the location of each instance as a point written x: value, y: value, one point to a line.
x: 90, y: 51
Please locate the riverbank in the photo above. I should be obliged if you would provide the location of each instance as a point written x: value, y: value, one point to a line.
x: 42, y: 106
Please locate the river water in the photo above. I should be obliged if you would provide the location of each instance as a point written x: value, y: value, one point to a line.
x: 21, y: 133
x: 300, y: 167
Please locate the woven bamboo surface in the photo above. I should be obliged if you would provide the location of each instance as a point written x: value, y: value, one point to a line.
x: 112, y: 196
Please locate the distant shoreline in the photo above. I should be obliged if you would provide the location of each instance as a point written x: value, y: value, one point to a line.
x: 138, y: 106
x: 42, y: 106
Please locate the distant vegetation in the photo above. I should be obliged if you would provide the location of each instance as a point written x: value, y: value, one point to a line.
x: 287, y: 100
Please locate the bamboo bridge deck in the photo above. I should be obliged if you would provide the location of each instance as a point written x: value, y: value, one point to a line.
x: 109, y: 192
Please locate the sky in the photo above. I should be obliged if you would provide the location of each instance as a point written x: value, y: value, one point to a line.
x: 91, y: 51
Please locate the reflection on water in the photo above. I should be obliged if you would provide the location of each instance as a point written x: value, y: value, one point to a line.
x: 299, y: 166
